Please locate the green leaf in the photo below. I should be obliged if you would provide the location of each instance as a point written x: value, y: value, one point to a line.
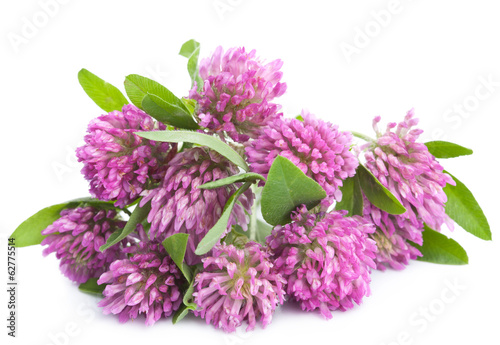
x: 91, y: 287
x: 138, y: 86
x: 214, y: 234
x: 181, y: 313
x: 190, y: 104
x: 105, y: 95
x: 187, y: 299
x: 189, y: 47
x: 463, y: 208
x: 286, y: 188
x: 377, y: 194
x: 137, y: 216
x: 191, y: 50
x: 444, y: 149
x: 29, y: 232
x: 300, y: 118
x: 439, y: 249
x: 192, y: 67
x: 88, y: 201
x: 167, y: 113
x: 352, y: 198
x: 199, y: 139
x: 162, y: 104
x: 175, y: 246
x: 245, y: 177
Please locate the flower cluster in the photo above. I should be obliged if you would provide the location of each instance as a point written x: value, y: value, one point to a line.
x: 416, y: 179
x: 238, y: 285
x: 193, y: 241
x: 76, y: 238
x: 178, y: 205
x: 326, y: 259
x: 118, y: 163
x: 148, y: 282
x: 318, y: 148
x: 236, y: 93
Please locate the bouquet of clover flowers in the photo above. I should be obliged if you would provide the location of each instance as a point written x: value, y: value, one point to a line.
x: 192, y: 176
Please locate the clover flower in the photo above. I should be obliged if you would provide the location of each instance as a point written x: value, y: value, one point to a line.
x: 178, y: 205
x: 326, y: 259
x: 238, y: 285
x: 236, y: 94
x: 318, y: 148
x: 146, y: 283
x: 118, y: 163
x: 76, y: 238
x: 413, y: 175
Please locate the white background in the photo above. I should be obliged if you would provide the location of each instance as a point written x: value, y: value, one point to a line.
x: 430, y: 55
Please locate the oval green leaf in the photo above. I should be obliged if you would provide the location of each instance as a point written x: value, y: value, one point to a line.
x: 161, y: 104
x: 352, y: 198
x: 175, y: 246
x: 463, y: 208
x: 105, y: 95
x: 377, y: 194
x: 167, y: 113
x: 245, y: 177
x: 138, y: 86
x: 439, y: 249
x: 91, y: 287
x: 137, y: 216
x: 199, y: 139
x: 214, y: 234
x: 445, y: 149
x: 189, y: 47
x: 286, y: 188
x: 191, y: 50
x: 28, y: 233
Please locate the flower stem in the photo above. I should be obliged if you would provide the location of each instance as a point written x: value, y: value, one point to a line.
x: 252, y: 231
x: 362, y: 136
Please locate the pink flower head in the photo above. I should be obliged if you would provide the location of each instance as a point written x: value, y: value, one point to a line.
x: 178, y: 205
x: 238, y: 285
x: 76, y: 238
x: 118, y: 163
x: 236, y: 92
x: 413, y: 175
x: 326, y: 259
x: 393, y: 250
x: 146, y: 283
x: 318, y: 148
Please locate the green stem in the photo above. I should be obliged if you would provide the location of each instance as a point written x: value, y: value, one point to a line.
x: 362, y: 136
x: 252, y: 231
